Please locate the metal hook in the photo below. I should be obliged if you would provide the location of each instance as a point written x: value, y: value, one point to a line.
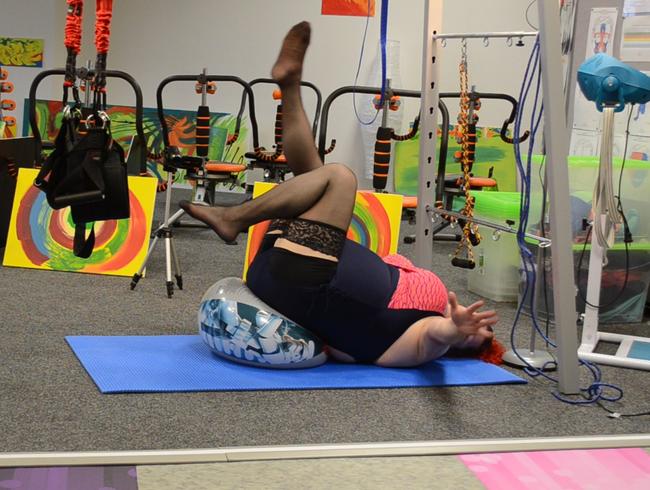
x: 443, y: 42
x: 486, y: 41
x: 509, y: 41
x: 463, y: 43
x: 496, y: 235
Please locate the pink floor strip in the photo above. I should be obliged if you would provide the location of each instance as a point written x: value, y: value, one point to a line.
x: 596, y: 469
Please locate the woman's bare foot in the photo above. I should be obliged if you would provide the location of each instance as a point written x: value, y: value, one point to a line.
x: 214, y: 217
x: 288, y: 67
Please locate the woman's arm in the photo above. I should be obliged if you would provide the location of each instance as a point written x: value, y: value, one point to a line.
x: 431, y: 337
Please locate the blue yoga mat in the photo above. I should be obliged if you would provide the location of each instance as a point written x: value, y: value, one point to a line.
x: 176, y: 363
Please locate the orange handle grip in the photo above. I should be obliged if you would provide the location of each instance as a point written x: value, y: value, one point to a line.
x: 8, y: 105
x: 6, y: 87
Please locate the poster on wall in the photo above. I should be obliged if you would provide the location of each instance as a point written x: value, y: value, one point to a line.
x: 602, y: 29
x: 41, y: 237
x: 361, y: 8
x: 635, y: 41
x: 20, y: 51
x: 585, y: 114
x: 584, y: 143
x: 636, y: 7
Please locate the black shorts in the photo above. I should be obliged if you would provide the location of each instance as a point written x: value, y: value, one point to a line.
x: 345, y: 303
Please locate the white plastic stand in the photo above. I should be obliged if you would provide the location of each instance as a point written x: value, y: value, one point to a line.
x: 590, y: 334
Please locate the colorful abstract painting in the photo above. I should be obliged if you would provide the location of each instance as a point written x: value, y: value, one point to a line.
x: 375, y: 223
x: 41, y: 238
x: 19, y: 51
x: 491, y: 153
x: 349, y: 7
x: 182, y: 133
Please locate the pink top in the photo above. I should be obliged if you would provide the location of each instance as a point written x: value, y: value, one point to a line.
x: 417, y: 289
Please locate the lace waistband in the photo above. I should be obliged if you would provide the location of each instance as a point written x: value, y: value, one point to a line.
x: 321, y: 237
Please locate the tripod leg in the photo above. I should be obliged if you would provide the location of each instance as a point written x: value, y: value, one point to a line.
x: 177, y: 265
x: 175, y: 217
x: 168, y: 264
x: 138, y: 275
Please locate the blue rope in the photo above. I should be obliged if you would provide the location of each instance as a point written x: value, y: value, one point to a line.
x: 595, y: 392
x: 382, y: 41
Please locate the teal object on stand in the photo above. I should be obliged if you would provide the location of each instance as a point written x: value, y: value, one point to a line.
x: 606, y: 81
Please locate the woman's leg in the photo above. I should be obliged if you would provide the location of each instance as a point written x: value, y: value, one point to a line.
x: 317, y: 192
x: 297, y: 138
x: 326, y: 194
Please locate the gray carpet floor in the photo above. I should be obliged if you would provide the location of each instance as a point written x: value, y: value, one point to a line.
x: 48, y: 402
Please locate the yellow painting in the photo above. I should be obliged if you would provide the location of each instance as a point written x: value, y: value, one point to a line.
x: 20, y: 51
x: 41, y: 237
x: 375, y: 223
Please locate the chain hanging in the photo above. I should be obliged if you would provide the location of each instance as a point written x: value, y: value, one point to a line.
x: 466, y: 137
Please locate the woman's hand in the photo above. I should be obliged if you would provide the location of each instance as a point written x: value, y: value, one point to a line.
x: 468, y: 320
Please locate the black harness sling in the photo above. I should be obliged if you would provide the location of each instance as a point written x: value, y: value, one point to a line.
x: 87, y: 169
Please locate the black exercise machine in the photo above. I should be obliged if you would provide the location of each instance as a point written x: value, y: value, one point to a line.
x: 137, y: 165
x: 274, y: 163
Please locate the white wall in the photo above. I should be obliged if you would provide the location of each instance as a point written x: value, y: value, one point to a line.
x: 39, y: 19
x: 152, y: 39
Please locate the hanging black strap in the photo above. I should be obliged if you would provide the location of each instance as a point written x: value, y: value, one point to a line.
x: 82, y: 246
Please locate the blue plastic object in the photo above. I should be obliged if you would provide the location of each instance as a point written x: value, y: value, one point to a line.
x: 183, y: 363
x: 640, y: 350
x: 609, y: 82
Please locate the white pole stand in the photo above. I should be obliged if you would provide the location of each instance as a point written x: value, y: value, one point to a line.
x: 591, y: 337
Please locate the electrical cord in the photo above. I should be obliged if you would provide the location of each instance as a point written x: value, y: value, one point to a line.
x: 616, y: 415
x: 356, y: 76
x: 527, y: 20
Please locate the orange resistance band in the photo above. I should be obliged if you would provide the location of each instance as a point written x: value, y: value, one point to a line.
x: 103, y: 25
x: 73, y: 25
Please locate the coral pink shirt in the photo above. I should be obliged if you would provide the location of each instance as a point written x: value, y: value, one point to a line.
x: 417, y: 288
